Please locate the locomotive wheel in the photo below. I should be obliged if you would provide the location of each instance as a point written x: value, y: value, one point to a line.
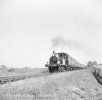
x: 71, y: 68
x: 61, y: 69
x: 68, y: 68
x: 53, y: 69
x: 50, y: 69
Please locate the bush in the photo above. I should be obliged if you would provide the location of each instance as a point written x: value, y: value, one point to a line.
x: 11, y: 70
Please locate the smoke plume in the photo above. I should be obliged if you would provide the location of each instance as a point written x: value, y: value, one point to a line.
x: 63, y: 42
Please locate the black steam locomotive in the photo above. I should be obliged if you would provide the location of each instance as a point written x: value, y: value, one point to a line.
x: 62, y: 62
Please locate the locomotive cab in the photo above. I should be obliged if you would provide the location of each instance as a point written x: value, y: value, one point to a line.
x: 63, y: 59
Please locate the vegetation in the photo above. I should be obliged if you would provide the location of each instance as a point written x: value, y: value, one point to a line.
x: 73, y: 85
x: 96, y: 70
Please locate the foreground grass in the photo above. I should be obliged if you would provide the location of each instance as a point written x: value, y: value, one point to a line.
x: 78, y: 85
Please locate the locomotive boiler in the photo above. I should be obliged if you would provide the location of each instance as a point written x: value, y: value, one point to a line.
x: 62, y: 62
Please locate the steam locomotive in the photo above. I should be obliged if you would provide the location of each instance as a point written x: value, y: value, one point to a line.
x: 62, y: 62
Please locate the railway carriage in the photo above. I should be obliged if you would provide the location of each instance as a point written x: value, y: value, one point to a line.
x: 62, y: 62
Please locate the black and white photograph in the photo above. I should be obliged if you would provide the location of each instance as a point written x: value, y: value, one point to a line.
x: 50, y: 50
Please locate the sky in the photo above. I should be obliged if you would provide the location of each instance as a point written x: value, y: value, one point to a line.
x: 31, y: 29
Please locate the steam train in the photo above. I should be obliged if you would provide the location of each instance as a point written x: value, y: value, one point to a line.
x: 61, y: 62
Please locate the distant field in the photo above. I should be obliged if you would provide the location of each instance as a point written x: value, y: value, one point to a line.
x: 22, y: 71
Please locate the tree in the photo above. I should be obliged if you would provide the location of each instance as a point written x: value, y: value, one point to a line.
x: 3, y: 68
x: 92, y: 66
x: 95, y: 63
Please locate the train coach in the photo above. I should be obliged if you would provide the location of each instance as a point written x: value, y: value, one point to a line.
x: 62, y: 62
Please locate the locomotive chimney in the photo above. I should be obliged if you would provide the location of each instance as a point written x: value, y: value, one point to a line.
x: 53, y: 53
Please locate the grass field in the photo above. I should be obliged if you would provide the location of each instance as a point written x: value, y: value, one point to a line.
x: 75, y: 85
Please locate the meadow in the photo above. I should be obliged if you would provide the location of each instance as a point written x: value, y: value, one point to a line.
x: 74, y: 85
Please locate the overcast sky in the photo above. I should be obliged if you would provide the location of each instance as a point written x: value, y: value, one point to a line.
x: 31, y: 29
